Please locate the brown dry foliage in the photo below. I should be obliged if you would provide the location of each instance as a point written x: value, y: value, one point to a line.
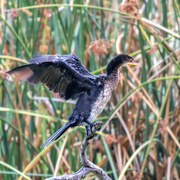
x: 153, y: 49
x: 129, y: 7
x: 14, y: 13
x: 100, y: 46
x: 110, y: 139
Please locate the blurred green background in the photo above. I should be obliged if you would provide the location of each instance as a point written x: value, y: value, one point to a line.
x: 95, y: 31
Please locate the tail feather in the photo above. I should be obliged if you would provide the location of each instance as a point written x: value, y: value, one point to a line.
x: 57, y: 134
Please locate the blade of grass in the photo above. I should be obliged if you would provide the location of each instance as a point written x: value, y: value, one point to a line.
x: 77, y: 5
x: 105, y: 9
x: 62, y: 28
x: 43, y: 153
x: 30, y: 113
x: 139, y: 86
x: 60, y: 156
x: 17, y: 36
x: 132, y: 54
x: 144, y: 20
x: 15, y: 170
x: 110, y: 158
x: 155, y: 127
x: 13, y: 58
x: 16, y: 129
x: 177, y: 7
x: 133, y: 156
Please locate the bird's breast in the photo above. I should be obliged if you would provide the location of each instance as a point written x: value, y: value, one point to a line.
x: 100, y: 103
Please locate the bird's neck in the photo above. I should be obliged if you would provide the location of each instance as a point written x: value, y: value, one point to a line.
x: 113, y: 71
x: 113, y: 66
x: 113, y: 78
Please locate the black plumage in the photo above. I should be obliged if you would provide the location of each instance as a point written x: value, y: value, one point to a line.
x: 65, y: 74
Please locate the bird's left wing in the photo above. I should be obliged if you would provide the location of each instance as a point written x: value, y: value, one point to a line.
x: 71, y: 59
x: 57, y: 74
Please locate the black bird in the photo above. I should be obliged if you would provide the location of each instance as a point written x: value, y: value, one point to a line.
x: 65, y: 74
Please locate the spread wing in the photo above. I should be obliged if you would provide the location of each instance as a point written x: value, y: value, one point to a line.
x: 72, y: 60
x: 61, y: 74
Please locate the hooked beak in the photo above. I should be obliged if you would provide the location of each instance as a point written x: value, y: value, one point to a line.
x: 133, y: 63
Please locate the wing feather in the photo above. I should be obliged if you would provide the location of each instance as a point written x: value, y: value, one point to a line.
x: 72, y: 60
x: 61, y: 74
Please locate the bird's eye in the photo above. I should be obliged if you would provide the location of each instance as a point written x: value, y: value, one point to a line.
x: 131, y: 60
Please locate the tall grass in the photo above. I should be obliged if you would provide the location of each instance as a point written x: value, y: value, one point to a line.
x: 143, y: 113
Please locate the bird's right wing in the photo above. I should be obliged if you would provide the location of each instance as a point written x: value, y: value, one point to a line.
x: 57, y: 75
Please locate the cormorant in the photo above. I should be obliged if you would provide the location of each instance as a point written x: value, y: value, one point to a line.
x: 66, y: 75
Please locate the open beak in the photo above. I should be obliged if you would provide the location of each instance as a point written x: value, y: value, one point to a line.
x: 133, y: 63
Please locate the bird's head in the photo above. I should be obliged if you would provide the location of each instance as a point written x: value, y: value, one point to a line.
x: 126, y: 60
x: 120, y: 60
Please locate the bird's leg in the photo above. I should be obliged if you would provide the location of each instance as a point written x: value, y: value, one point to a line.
x: 99, y: 129
x: 89, y: 129
x: 89, y: 133
x: 89, y: 123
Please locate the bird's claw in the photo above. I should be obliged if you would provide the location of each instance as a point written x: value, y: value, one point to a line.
x: 90, y: 129
x: 89, y: 132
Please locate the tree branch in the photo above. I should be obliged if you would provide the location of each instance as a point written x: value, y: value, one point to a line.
x: 88, y: 166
